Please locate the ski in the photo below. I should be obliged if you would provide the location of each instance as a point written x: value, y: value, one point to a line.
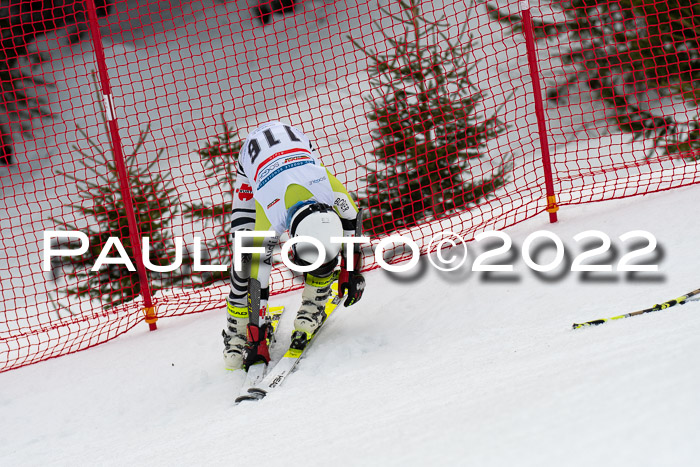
x: 689, y: 297
x: 289, y: 361
x: 255, y: 373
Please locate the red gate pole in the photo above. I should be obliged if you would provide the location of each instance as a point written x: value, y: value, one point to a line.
x: 134, y: 235
x: 529, y: 31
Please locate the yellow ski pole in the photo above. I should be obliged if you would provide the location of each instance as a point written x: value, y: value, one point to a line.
x: 677, y: 301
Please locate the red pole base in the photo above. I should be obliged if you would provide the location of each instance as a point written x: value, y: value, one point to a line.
x: 151, y: 317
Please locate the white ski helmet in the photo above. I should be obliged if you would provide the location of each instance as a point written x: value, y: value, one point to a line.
x: 319, y: 221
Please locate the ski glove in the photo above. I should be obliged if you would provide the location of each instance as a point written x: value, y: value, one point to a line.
x: 353, y: 283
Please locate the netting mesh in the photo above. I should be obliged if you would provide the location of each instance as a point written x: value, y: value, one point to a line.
x: 424, y: 110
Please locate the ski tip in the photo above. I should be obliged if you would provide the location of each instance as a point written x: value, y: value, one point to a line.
x: 254, y: 394
x: 247, y: 397
x: 593, y: 323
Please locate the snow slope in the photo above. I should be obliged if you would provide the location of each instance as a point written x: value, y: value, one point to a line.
x: 429, y: 368
x: 161, y: 55
x: 165, y: 84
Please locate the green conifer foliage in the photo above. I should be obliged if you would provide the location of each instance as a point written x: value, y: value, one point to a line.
x: 219, y: 158
x: 155, y: 203
x: 630, y: 53
x: 427, y: 125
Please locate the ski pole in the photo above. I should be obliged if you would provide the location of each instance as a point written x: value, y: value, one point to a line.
x: 677, y: 301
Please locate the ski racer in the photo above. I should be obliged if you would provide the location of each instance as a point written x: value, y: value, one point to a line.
x: 281, y: 185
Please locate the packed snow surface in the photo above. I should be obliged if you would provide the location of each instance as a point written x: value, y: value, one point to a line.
x: 430, y: 368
